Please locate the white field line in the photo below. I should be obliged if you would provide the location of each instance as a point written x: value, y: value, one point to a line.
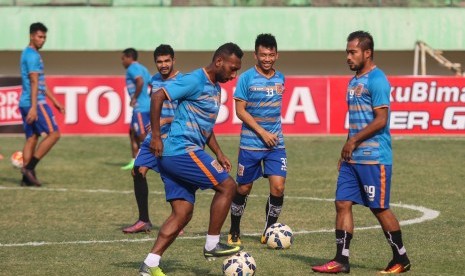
x: 427, y: 214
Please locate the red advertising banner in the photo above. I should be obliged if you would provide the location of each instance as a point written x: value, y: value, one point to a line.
x: 311, y: 105
x: 419, y: 105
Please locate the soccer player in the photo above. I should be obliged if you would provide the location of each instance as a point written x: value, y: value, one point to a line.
x: 184, y: 165
x: 137, y: 81
x: 37, y: 116
x: 366, y: 158
x: 258, y: 98
x: 145, y: 159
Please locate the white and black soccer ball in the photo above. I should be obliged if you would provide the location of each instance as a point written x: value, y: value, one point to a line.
x: 279, y: 236
x: 17, y: 159
x: 240, y: 264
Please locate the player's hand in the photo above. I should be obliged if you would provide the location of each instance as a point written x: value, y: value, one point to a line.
x: 270, y: 139
x: 156, y: 146
x: 133, y: 102
x: 32, y: 115
x: 60, y: 108
x: 224, y: 161
x: 347, y: 150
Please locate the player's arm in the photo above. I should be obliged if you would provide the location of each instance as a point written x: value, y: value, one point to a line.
x: 139, y: 86
x: 270, y: 139
x: 378, y: 123
x: 55, y: 102
x: 215, y: 147
x: 32, y: 114
x: 156, y: 104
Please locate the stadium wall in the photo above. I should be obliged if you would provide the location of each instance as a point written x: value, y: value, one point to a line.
x: 204, y: 28
x: 88, y: 40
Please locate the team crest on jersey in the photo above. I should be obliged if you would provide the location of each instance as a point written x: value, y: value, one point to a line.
x: 359, y: 90
x: 217, y: 166
x: 279, y: 88
x: 240, y: 169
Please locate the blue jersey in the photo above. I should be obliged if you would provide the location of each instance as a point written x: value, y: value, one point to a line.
x: 198, y: 105
x: 169, y: 107
x: 364, y: 94
x: 31, y: 62
x: 134, y: 71
x: 264, y: 99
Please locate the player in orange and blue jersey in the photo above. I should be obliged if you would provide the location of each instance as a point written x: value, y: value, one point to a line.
x: 137, y: 81
x: 366, y: 158
x: 183, y: 164
x: 145, y: 160
x: 37, y: 116
x: 258, y: 98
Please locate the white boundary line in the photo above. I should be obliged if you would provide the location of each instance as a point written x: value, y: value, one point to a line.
x: 428, y: 214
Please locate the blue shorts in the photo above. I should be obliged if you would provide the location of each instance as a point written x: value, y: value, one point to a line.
x: 139, y: 122
x: 45, y: 121
x: 249, y: 167
x: 368, y: 185
x: 145, y: 158
x: 184, y: 174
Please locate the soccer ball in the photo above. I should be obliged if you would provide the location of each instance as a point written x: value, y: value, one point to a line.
x: 279, y: 236
x: 17, y: 159
x: 240, y: 264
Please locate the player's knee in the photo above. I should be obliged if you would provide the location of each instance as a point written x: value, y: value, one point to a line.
x: 343, y: 206
x: 138, y: 171
x: 244, y: 189
x: 227, y: 186
x: 277, y: 190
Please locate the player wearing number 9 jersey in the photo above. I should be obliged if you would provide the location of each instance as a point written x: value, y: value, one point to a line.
x: 366, y: 158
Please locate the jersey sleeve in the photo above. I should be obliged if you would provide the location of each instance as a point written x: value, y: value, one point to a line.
x: 242, y: 88
x: 380, y: 91
x: 33, y: 63
x: 134, y: 72
x: 184, y: 88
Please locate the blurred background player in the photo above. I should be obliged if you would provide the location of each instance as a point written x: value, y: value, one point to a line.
x: 184, y: 165
x: 366, y: 158
x: 37, y: 116
x: 258, y: 98
x: 137, y: 81
x: 145, y: 159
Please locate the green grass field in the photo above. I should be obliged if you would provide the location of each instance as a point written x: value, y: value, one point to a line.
x: 71, y: 225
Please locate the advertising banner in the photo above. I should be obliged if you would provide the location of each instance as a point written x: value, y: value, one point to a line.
x: 311, y: 105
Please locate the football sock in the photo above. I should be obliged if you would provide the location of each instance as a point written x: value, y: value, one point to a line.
x: 273, y: 209
x: 32, y: 164
x: 152, y: 260
x: 237, y: 210
x: 212, y: 241
x: 394, y: 239
x: 141, y: 191
x: 342, y: 246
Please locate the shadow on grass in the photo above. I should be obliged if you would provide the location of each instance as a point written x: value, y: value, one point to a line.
x: 312, y: 261
x: 10, y: 180
x: 169, y: 266
x: 116, y: 164
x: 154, y: 231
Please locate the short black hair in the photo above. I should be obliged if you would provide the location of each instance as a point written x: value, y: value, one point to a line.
x: 163, y: 49
x: 365, y: 40
x: 267, y: 41
x: 228, y: 49
x: 37, y: 27
x: 130, y: 52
